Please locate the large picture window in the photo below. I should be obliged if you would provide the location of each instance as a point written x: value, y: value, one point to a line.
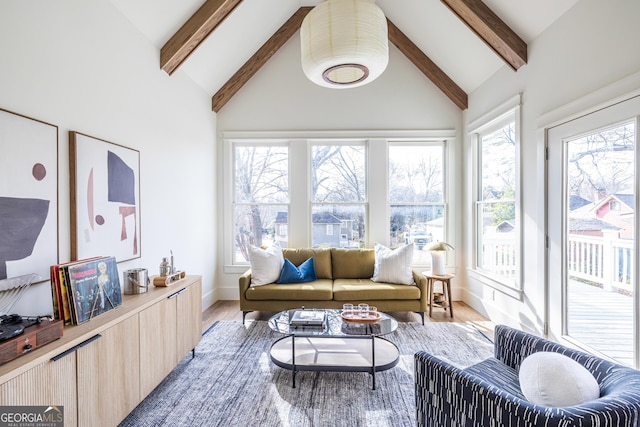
x: 338, y: 195
x: 325, y: 190
x: 497, y: 252
x: 261, y: 197
x: 416, y: 197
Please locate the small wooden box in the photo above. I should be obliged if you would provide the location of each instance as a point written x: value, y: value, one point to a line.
x: 168, y: 280
x: 33, y: 337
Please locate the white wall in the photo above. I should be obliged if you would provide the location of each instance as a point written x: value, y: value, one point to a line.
x: 82, y: 66
x: 592, y: 46
x: 280, y: 98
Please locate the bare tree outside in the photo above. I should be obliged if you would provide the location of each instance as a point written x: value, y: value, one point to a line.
x: 496, y: 247
x: 601, y: 163
x: 261, y: 191
x: 338, y: 180
x: 600, y: 237
x: 415, y: 174
x: 338, y: 173
x: 416, y: 194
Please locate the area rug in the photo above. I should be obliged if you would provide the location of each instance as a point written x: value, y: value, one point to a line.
x: 232, y: 382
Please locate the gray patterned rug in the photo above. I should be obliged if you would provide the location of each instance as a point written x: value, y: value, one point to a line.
x: 231, y: 382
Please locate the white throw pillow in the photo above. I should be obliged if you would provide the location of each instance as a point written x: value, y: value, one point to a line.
x: 553, y: 379
x: 265, y: 264
x: 393, y: 266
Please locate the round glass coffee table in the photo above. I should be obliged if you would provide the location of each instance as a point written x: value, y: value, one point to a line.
x: 335, y: 345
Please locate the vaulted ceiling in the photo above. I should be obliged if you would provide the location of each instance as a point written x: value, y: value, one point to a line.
x: 456, y: 44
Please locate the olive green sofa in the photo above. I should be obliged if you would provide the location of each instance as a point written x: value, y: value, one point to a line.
x: 343, y: 276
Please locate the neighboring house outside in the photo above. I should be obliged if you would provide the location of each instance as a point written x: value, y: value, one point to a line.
x: 576, y: 202
x: 505, y: 227
x: 327, y: 230
x: 281, y: 229
x: 600, y: 240
x: 347, y: 234
x: 589, y: 227
x: 610, y: 212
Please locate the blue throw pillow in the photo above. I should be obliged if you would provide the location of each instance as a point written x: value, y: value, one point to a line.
x: 306, y: 272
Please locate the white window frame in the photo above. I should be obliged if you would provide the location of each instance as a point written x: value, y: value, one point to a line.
x: 446, y: 168
x: 364, y: 203
x: 229, y: 194
x: 510, y: 110
x: 300, y: 142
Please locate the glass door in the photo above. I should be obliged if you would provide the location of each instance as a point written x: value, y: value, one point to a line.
x: 592, y: 275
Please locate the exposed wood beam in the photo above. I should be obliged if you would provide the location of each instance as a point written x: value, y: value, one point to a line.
x: 193, y: 32
x: 427, y: 66
x: 490, y: 28
x: 277, y: 40
x: 280, y: 37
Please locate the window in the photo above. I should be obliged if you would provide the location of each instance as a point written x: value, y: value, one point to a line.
x: 416, y: 196
x: 338, y: 195
x: 261, y: 197
x: 497, y: 251
x: 323, y: 190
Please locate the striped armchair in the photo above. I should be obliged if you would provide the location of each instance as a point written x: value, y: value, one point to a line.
x: 488, y: 394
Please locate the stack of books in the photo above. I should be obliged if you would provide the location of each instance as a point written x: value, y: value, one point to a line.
x: 315, y: 318
x: 81, y: 290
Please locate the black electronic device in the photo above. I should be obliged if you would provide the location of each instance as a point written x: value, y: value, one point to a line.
x: 22, y: 334
x: 12, y: 325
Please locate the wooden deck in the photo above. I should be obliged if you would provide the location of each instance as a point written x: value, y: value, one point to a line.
x: 602, y: 320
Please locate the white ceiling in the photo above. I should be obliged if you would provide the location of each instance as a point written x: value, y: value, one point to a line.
x: 428, y: 23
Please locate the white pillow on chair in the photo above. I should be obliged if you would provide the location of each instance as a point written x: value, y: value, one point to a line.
x: 553, y: 379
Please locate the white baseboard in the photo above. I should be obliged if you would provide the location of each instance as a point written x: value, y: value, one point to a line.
x: 495, y: 313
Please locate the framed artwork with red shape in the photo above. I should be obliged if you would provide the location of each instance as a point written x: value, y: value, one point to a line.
x: 105, y: 198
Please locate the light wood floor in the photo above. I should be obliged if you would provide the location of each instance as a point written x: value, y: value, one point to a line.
x: 462, y: 313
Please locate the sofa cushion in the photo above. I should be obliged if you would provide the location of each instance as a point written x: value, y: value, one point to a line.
x: 305, y: 272
x: 352, y: 263
x: 354, y: 290
x: 321, y: 259
x: 393, y: 265
x: 320, y: 290
x: 265, y: 264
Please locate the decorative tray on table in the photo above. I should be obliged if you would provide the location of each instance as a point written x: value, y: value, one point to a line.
x: 358, y: 318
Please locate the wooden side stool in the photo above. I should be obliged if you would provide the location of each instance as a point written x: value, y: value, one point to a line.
x: 446, y: 290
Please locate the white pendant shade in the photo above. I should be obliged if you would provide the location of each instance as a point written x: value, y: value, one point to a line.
x: 345, y: 43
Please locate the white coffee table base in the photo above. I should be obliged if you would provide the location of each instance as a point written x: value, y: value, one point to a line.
x: 341, y: 354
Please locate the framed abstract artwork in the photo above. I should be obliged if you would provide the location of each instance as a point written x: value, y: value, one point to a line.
x: 28, y: 196
x: 105, y: 198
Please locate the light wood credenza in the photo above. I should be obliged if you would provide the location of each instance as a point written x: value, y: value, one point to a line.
x: 100, y: 370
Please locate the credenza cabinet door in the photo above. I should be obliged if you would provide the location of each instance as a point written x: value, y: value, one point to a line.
x: 189, y: 324
x: 52, y: 383
x: 158, y: 355
x: 108, y: 375
x: 168, y: 331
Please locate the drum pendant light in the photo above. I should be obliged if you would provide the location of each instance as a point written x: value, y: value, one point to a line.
x: 344, y: 43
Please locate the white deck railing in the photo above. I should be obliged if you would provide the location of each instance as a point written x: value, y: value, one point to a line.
x: 499, y: 255
x: 605, y: 260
